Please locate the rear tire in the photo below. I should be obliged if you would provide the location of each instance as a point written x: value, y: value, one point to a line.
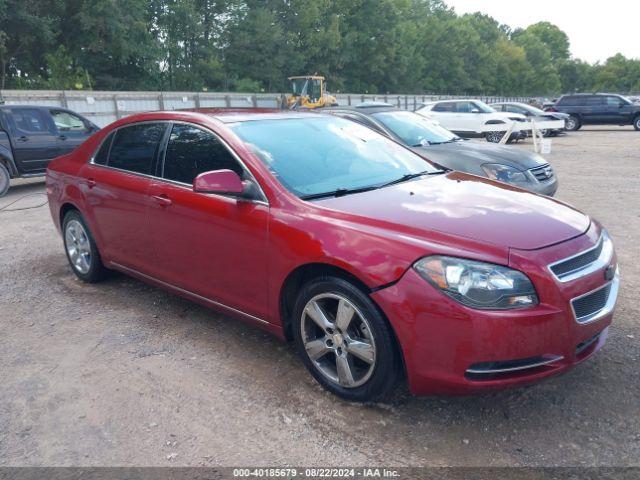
x: 572, y: 123
x: 344, y: 340
x: 636, y: 123
x: 81, y: 249
x: 5, y: 180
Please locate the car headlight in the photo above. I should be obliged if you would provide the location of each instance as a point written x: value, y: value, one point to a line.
x: 504, y: 173
x: 477, y: 284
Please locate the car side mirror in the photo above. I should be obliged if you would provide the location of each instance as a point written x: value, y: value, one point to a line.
x: 222, y: 182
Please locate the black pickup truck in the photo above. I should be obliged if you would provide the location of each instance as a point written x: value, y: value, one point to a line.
x: 30, y: 137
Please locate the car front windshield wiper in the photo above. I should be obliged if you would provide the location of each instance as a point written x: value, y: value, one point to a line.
x: 453, y: 140
x: 339, y: 192
x: 411, y: 176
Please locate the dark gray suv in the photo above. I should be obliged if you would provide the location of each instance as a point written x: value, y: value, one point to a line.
x: 597, y: 109
x: 427, y: 138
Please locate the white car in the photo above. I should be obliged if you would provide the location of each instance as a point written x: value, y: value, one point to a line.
x: 474, y: 118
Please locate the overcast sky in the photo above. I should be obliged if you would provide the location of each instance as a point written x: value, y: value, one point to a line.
x: 597, y: 30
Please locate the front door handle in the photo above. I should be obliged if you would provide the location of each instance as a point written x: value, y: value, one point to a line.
x: 163, y: 200
x: 23, y: 138
x: 91, y: 182
x: 62, y: 137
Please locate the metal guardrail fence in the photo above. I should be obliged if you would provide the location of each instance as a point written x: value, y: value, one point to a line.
x: 104, y: 107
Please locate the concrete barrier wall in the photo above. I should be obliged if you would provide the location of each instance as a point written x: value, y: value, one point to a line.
x: 104, y: 107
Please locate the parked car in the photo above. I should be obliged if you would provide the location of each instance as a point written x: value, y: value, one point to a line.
x: 473, y: 118
x: 597, y: 109
x: 432, y: 141
x: 549, y: 123
x: 30, y: 137
x: 376, y: 263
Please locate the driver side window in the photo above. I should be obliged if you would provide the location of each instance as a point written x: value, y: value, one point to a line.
x: 192, y: 151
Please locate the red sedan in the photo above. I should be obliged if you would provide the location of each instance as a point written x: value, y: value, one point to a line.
x: 376, y: 263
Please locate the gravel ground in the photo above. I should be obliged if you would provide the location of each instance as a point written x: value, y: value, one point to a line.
x: 121, y: 373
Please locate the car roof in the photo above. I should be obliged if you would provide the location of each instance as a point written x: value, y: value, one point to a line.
x: 365, y: 109
x: 234, y: 115
x: 519, y: 104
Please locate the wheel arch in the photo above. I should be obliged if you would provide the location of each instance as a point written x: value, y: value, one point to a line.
x: 6, y: 159
x: 65, y: 208
x: 303, y: 274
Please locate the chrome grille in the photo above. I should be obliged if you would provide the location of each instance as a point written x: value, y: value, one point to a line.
x: 542, y: 173
x: 585, y: 262
x: 576, y: 263
x: 596, y: 304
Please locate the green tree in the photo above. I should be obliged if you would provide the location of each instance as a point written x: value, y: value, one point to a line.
x: 555, y: 39
x: 543, y: 77
x: 618, y: 74
x: 27, y: 33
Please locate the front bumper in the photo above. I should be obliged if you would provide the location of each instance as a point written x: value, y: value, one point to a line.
x: 452, y: 349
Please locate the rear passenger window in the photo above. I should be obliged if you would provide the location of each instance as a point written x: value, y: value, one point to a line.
x: 30, y: 121
x: 134, y: 148
x: 569, y: 101
x: 444, y: 107
x: 102, y: 155
x: 192, y: 151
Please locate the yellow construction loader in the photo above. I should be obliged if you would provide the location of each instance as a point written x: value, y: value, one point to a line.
x: 309, y: 92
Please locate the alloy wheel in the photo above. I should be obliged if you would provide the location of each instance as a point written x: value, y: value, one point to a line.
x: 78, y: 246
x: 570, y: 123
x: 495, y: 137
x: 338, y: 340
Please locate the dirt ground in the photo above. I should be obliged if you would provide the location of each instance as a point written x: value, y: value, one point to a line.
x: 121, y: 373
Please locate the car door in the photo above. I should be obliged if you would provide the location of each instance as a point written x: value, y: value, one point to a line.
x: 33, y: 139
x: 72, y: 129
x: 594, y: 110
x: 207, y: 244
x: 116, y: 186
x: 471, y: 117
x: 447, y: 115
x: 618, y: 111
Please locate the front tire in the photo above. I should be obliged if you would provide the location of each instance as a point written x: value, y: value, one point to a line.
x: 636, y: 123
x: 5, y: 180
x: 494, y: 137
x: 572, y: 123
x: 344, y: 340
x: 81, y: 249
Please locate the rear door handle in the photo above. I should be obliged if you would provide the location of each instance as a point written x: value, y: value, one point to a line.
x: 163, y: 200
x: 62, y: 137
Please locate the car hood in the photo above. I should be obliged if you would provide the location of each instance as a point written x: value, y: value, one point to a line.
x: 465, y: 152
x: 465, y: 206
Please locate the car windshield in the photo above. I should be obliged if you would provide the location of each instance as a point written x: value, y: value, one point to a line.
x: 315, y: 155
x: 413, y: 129
x: 483, y: 107
x: 532, y: 109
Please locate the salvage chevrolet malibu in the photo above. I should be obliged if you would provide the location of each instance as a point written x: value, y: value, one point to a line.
x: 377, y: 264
